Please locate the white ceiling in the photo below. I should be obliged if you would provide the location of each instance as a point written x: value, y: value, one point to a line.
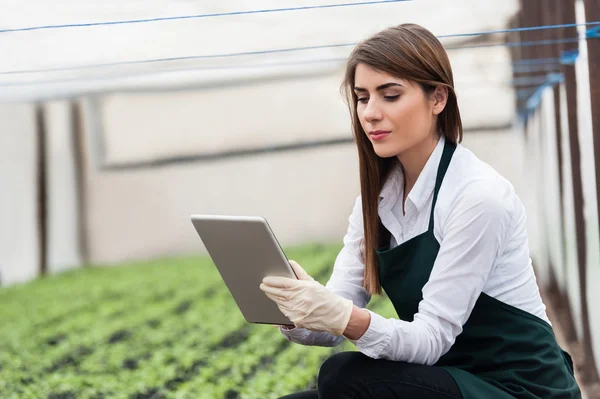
x: 42, y: 49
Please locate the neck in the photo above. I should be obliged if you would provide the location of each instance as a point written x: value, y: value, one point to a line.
x: 413, y: 161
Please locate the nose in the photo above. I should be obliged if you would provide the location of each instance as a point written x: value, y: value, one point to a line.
x: 371, y: 112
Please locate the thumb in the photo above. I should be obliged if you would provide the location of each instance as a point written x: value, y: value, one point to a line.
x: 300, y: 272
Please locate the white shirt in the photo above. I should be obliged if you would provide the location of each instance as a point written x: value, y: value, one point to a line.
x: 480, y: 224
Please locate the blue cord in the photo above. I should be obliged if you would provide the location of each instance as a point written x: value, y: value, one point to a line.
x: 220, y: 14
x: 518, y: 66
x: 537, y: 61
x: 274, y: 51
x: 208, y: 68
x: 531, y: 28
x: 190, y: 57
x: 534, y: 101
x: 519, y: 44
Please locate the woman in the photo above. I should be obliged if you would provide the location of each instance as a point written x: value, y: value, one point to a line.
x: 443, y: 234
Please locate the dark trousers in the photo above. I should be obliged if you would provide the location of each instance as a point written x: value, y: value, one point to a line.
x: 352, y: 375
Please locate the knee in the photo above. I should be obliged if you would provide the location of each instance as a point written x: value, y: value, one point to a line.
x: 339, y: 374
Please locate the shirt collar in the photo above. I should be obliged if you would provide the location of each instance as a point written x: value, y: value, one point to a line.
x: 394, y: 186
x: 425, y: 183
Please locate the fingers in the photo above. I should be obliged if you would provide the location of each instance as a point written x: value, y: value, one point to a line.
x: 277, y: 295
x: 282, y: 306
x: 274, y: 297
x: 282, y: 303
x: 272, y: 291
x: 286, y: 327
x: 279, y: 282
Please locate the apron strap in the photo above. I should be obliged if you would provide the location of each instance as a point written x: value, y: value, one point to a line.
x: 384, y: 236
x: 442, y: 168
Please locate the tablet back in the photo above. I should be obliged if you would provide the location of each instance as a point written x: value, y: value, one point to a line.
x: 245, y: 250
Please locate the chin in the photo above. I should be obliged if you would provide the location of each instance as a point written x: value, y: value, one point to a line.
x: 384, y: 151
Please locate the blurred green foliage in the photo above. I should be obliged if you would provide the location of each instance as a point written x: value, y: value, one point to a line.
x: 166, y: 328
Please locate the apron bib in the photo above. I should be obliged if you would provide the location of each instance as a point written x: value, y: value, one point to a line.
x: 503, y: 352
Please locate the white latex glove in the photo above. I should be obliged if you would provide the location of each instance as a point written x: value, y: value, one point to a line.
x: 307, y: 303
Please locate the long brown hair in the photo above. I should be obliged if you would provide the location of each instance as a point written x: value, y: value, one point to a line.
x: 410, y: 52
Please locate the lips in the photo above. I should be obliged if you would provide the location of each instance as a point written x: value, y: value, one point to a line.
x: 378, y: 134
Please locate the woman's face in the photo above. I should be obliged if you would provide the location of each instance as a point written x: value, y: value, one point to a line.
x: 396, y: 114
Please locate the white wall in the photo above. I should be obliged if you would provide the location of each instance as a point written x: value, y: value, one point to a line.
x: 18, y: 194
x: 305, y: 196
x: 536, y: 213
x: 63, y: 252
x: 590, y: 199
x: 571, y: 277
x: 137, y: 127
x: 147, y: 126
x: 551, y: 193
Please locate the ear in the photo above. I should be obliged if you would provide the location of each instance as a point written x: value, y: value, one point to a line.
x: 439, y: 99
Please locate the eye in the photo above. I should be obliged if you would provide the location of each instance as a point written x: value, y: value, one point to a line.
x: 392, y: 98
x: 363, y: 100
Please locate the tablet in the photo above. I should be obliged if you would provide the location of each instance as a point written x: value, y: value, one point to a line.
x: 244, y: 251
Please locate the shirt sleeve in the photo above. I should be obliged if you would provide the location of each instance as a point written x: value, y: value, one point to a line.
x: 472, y: 236
x: 345, y: 281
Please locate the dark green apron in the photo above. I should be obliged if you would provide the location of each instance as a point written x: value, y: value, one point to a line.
x: 503, y: 352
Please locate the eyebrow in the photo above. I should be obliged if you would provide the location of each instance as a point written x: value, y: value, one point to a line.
x: 380, y: 87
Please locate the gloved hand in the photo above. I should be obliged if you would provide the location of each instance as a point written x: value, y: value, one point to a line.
x: 307, y: 303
